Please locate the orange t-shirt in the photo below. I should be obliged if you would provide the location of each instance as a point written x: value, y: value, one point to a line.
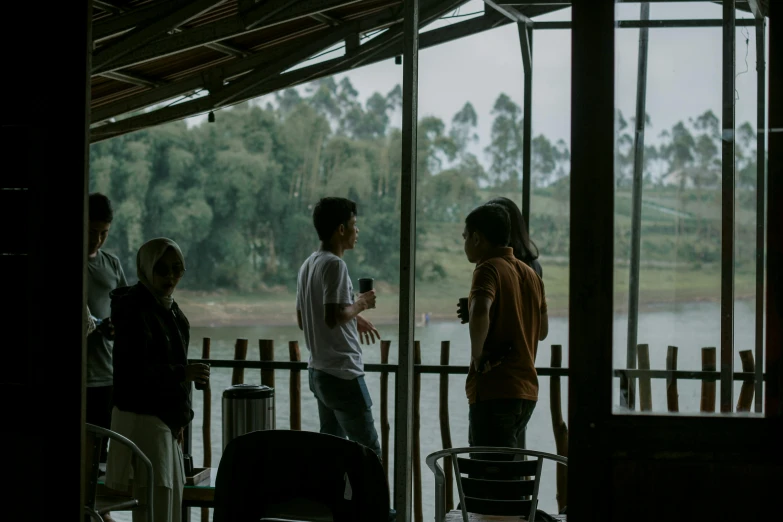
x: 518, y: 302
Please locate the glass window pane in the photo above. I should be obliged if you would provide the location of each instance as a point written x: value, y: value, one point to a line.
x: 671, y: 304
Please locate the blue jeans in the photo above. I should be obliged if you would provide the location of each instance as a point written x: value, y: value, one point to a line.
x: 344, y: 408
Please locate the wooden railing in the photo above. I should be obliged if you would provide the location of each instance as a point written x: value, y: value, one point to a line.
x: 267, y: 365
x: 708, y: 377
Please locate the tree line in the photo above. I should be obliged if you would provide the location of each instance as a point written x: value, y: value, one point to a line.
x: 237, y: 194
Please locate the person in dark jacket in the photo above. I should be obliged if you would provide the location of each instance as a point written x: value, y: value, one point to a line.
x: 152, y: 380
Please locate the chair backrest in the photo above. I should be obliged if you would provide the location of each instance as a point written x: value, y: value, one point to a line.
x: 491, y: 481
x: 94, y: 435
x: 92, y: 454
x: 262, y: 469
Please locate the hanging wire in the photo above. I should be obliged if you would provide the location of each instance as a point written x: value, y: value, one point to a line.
x: 746, y: 34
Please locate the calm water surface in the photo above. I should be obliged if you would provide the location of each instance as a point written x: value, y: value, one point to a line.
x: 690, y: 327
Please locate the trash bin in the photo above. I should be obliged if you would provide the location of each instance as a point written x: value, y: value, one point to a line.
x: 246, y: 408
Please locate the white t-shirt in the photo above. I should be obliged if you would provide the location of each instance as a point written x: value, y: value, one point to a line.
x: 323, y: 279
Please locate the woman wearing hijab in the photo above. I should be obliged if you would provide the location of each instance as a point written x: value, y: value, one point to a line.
x: 152, y: 391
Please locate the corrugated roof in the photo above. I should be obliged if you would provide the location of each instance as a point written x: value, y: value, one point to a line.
x: 148, y: 52
x: 155, y: 52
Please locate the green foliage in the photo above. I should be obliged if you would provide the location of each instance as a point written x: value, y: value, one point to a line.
x: 238, y: 194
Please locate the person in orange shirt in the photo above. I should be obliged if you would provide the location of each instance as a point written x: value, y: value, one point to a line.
x: 507, y: 318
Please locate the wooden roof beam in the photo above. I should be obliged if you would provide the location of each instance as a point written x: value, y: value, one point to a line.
x: 144, y: 34
x: 220, y: 30
x: 107, y: 6
x: 510, y: 12
x: 292, y: 79
x: 236, y: 89
x: 255, y: 16
x: 305, y: 74
x: 757, y: 7
x: 226, y: 71
x: 428, y: 13
x: 134, y: 79
x: 326, y: 19
x: 126, y: 19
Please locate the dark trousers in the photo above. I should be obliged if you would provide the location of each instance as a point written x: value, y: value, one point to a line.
x: 99, y: 405
x: 499, y: 423
x: 344, y: 408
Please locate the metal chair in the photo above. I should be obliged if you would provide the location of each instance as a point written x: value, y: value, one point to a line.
x: 98, y: 505
x: 492, y: 487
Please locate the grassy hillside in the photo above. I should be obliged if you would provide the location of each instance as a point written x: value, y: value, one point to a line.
x: 680, y: 262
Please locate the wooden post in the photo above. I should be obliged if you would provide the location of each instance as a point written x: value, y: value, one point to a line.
x: 708, y: 362
x: 445, y: 427
x: 645, y: 386
x: 240, y: 354
x: 267, y: 349
x: 385, y: 428
x: 746, y: 393
x: 206, y: 424
x: 295, y: 388
x: 417, y: 489
x: 672, y: 395
x: 559, y: 427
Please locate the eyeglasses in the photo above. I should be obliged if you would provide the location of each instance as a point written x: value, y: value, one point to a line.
x: 175, y: 271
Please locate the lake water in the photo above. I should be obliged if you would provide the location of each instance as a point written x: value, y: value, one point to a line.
x: 690, y: 327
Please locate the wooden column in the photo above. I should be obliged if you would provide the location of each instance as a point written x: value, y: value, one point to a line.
x: 385, y: 428
x: 559, y: 426
x: 708, y: 364
x: 295, y: 388
x: 745, y: 400
x: 206, y: 422
x: 445, y: 427
x: 773, y: 364
x: 761, y: 196
x: 672, y: 394
x: 403, y: 396
x: 591, y: 303
x: 627, y: 391
x: 728, y: 169
x: 417, y: 501
x: 240, y: 354
x: 266, y: 348
x: 645, y: 386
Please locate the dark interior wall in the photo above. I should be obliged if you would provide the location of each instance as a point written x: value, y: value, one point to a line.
x: 695, y: 486
x: 43, y: 178
x: 644, y: 468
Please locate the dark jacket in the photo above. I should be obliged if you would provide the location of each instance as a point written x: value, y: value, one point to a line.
x: 150, y: 355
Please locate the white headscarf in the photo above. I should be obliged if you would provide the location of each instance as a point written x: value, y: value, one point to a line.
x: 149, y: 254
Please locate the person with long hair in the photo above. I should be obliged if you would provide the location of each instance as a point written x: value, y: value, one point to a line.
x: 524, y: 249
x: 519, y: 240
x: 152, y: 381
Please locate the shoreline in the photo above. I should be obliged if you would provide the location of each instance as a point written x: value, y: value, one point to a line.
x: 200, y: 318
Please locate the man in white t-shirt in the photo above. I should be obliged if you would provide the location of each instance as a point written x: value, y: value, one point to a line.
x: 329, y: 316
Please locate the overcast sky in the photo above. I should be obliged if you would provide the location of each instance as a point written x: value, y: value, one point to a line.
x: 684, y: 75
